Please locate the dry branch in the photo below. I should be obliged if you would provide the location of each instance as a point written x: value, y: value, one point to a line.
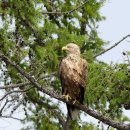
x: 15, y: 118
x: 106, y: 120
x: 117, y: 43
x: 1, y: 110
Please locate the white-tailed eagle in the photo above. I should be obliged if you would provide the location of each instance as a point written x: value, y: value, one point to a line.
x: 73, y: 75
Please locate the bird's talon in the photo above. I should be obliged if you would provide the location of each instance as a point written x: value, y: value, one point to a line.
x: 67, y: 97
x: 75, y: 101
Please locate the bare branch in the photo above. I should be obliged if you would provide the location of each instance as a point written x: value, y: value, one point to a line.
x: 14, y: 85
x: 117, y: 43
x: 3, y: 107
x: 99, y: 116
x: 67, y: 12
x: 47, y: 75
x: 15, y: 118
x: 20, y: 91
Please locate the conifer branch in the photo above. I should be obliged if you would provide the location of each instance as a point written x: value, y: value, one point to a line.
x: 26, y: 83
x: 15, y: 118
x: 1, y: 110
x: 99, y: 116
x: 117, y: 43
x: 17, y: 91
x: 26, y: 23
x: 66, y: 12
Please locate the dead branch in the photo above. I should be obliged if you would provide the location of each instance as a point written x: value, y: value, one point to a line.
x: 117, y: 43
x: 14, y: 85
x: 27, y: 83
x: 1, y: 110
x: 15, y: 118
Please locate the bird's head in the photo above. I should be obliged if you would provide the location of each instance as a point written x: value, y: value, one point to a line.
x: 71, y: 48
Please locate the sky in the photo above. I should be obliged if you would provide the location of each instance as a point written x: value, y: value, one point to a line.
x: 114, y: 28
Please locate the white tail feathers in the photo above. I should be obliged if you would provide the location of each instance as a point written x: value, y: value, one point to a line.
x: 74, y: 113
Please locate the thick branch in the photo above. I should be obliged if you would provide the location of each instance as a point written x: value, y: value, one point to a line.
x: 117, y: 43
x: 14, y: 85
x: 106, y: 120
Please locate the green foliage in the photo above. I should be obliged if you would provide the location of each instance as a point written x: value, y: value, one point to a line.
x: 108, y: 88
x: 33, y: 39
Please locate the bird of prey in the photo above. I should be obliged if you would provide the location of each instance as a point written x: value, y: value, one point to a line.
x: 73, y: 75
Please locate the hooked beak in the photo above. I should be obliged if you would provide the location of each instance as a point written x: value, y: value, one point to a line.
x: 64, y: 48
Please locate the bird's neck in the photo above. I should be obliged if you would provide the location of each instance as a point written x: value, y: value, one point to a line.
x: 73, y: 55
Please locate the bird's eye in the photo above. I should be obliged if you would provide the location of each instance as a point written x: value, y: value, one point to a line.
x: 68, y: 47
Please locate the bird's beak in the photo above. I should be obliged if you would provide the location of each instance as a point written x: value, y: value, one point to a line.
x: 64, y: 48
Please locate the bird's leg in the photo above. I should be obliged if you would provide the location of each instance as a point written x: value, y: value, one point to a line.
x: 67, y: 97
x: 75, y: 101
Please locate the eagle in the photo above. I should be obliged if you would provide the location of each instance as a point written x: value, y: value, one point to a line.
x: 73, y: 76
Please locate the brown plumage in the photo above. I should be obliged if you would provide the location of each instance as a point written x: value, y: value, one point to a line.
x: 73, y: 72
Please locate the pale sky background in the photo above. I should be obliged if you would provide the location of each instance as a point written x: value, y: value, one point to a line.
x: 116, y: 26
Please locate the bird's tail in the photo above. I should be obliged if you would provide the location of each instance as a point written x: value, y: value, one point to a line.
x: 72, y: 112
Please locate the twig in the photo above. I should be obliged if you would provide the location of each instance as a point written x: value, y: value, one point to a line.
x: 14, y: 85
x: 117, y: 43
x: 99, y: 116
x: 3, y: 107
x: 20, y: 91
x: 27, y: 83
x: 108, y: 127
x: 66, y: 12
x: 15, y: 118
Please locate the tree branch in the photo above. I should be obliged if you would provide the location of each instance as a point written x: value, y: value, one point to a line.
x: 20, y: 91
x: 27, y: 83
x: 1, y: 110
x: 99, y: 116
x: 15, y: 118
x: 66, y: 12
x: 117, y: 43
x: 14, y: 85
